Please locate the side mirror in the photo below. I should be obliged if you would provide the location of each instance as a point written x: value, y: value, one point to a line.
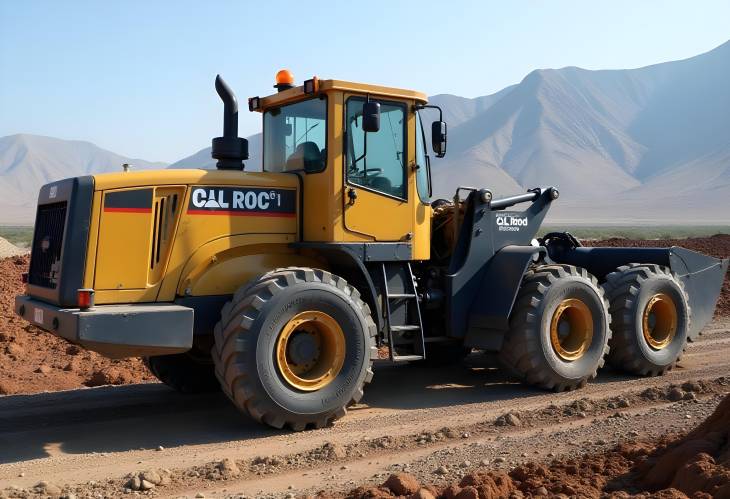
x: 371, y: 116
x: 438, y: 138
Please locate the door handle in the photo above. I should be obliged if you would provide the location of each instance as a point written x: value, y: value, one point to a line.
x: 351, y: 195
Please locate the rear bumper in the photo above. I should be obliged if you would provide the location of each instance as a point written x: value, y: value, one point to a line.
x: 115, y: 331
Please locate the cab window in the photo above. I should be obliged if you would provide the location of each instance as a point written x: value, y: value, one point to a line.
x: 295, y: 136
x: 423, y: 166
x: 376, y: 160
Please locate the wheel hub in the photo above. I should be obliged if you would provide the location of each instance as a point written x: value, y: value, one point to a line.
x: 310, y: 351
x: 303, y: 347
x: 571, y: 329
x: 659, y: 323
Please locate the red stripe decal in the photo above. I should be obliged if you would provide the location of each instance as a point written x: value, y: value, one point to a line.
x: 241, y: 213
x: 128, y: 210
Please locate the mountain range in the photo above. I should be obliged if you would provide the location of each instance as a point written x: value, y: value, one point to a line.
x: 29, y: 161
x: 646, y: 145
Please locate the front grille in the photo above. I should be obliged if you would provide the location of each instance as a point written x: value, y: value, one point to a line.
x: 45, y: 258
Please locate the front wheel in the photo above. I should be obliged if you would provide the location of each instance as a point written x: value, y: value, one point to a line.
x: 295, y: 348
x: 559, y: 328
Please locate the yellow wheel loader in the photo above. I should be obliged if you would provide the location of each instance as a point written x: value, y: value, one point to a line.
x: 280, y: 286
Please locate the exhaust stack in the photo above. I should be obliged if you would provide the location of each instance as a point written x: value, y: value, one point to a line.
x: 230, y: 150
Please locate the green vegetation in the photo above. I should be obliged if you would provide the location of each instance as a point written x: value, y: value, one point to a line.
x: 18, y: 235
x: 638, y: 231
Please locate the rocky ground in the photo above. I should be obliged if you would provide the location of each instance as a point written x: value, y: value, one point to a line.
x: 468, y: 431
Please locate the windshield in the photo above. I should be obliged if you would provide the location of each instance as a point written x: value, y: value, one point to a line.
x: 295, y: 136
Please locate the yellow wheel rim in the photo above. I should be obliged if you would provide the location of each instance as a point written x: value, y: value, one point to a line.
x: 310, y: 351
x: 659, y: 323
x: 571, y: 329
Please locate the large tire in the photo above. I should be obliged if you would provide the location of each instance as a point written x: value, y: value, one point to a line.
x: 256, y: 335
x: 561, y: 357
x: 640, y: 294
x: 183, y: 373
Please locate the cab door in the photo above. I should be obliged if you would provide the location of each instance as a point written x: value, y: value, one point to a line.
x: 377, y: 177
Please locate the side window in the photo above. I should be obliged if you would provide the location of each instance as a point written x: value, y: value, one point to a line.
x: 423, y: 175
x: 376, y: 160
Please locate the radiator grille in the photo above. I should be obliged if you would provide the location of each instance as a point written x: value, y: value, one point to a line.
x: 45, y: 259
x: 164, y: 212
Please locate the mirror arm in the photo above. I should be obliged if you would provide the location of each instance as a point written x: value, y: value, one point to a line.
x: 418, y: 107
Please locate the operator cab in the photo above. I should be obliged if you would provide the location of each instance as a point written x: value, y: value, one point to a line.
x: 360, y: 151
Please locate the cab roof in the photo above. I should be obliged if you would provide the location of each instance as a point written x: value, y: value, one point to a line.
x: 296, y: 93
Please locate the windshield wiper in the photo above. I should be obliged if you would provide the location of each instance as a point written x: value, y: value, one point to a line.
x: 306, y: 132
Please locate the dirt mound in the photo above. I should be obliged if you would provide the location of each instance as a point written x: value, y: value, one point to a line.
x: 717, y: 246
x: 8, y: 249
x: 696, y: 465
x: 33, y: 361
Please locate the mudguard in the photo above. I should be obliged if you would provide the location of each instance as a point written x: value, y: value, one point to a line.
x: 488, y: 229
x: 490, y: 311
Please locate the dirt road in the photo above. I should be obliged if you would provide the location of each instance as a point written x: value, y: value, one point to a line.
x: 421, y: 420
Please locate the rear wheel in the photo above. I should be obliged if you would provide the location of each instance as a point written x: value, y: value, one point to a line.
x: 559, y: 330
x: 184, y: 373
x: 651, y: 319
x: 295, y: 348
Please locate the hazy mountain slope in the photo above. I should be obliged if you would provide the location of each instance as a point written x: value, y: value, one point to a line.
x: 647, y: 135
x: 29, y: 161
x: 457, y: 109
x: 202, y: 158
x: 641, y: 145
x: 688, y: 115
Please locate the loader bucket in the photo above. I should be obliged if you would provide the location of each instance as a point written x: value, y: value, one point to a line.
x: 702, y: 277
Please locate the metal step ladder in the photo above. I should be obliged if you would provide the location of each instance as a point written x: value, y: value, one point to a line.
x: 408, y: 295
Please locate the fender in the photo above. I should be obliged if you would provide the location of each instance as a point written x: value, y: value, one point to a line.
x: 485, y: 231
x: 492, y: 306
x: 216, y: 269
x: 219, y: 267
x: 347, y: 260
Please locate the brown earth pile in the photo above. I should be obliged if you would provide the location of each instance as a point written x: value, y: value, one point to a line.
x: 717, y: 246
x: 8, y: 249
x: 695, y: 466
x: 33, y: 361
x: 698, y: 464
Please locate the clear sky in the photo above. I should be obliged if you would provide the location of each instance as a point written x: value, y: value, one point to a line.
x: 136, y: 76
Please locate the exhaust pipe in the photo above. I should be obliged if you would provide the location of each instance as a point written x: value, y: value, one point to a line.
x: 230, y: 150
